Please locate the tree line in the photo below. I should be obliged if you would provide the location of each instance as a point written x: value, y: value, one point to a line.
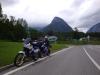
x: 75, y: 34
x: 15, y: 29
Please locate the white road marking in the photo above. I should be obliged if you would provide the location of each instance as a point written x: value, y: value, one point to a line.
x: 93, y: 61
x: 17, y: 69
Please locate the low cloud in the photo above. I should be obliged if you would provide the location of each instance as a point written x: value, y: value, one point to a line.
x: 8, y: 2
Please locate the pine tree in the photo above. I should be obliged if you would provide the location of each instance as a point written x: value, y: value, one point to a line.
x: 0, y: 10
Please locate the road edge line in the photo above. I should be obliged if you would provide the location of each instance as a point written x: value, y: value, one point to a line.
x: 93, y: 61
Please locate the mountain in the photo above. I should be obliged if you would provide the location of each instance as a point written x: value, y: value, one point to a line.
x: 57, y: 25
x: 95, y: 28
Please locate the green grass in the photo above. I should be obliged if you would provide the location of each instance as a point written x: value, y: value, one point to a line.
x: 94, y: 42
x: 8, y: 50
x: 77, y: 42
x: 56, y: 47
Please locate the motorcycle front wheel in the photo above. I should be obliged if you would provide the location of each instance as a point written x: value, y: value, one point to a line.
x: 19, y: 59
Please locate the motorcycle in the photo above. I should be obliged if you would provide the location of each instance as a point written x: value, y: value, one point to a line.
x: 28, y: 51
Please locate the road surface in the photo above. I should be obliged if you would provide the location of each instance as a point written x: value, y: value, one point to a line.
x: 78, y: 60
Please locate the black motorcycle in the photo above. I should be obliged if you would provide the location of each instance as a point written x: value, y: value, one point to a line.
x: 45, y: 50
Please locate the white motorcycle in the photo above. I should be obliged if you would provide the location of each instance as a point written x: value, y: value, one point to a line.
x: 28, y: 51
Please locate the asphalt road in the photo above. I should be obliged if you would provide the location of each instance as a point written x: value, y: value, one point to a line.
x: 78, y: 60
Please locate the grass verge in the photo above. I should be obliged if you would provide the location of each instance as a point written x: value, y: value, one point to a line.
x: 56, y: 47
x: 8, y: 51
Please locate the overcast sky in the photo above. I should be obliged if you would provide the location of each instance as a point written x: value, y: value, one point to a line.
x: 77, y: 13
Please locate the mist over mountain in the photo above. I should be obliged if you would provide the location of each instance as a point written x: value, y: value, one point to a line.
x: 38, y: 26
x: 57, y: 25
x: 95, y: 28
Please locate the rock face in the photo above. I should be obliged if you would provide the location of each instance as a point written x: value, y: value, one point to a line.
x: 58, y: 25
x: 95, y: 28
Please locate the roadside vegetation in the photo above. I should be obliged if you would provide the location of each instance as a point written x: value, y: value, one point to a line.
x: 57, y: 47
x: 8, y: 51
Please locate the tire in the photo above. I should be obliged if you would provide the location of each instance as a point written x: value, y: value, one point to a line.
x: 19, y: 60
x: 49, y: 52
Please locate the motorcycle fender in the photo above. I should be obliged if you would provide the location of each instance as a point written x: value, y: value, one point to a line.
x: 21, y: 52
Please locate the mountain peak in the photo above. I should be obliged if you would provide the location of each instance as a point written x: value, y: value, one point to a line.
x: 95, y: 28
x: 58, y: 25
x: 57, y: 19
